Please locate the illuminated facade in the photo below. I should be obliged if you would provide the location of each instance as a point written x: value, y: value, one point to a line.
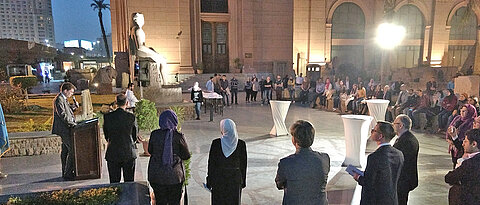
x: 298, y: 32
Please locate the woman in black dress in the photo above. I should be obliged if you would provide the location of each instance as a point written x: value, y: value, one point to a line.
x: 227, y: 166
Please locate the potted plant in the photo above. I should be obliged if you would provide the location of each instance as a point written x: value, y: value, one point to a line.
x: 199, y: 68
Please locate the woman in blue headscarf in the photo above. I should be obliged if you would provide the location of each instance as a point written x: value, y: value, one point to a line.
x: 227, y: 165
x: 168, y: 149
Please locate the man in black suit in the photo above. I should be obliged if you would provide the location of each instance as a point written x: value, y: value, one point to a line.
x: 303, y: 175
x: 379, y: 182
x: 408, y: 144
x: 467, y: 177
x: 63, y: 121
x: 120, y: 129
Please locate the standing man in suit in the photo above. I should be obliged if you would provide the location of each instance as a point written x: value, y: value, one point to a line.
x: 120, y: 130
x: 303, y: 175
x: 407, y: 143
x: 466, y: 175
x: 379, y: 182
x: 63, y: 121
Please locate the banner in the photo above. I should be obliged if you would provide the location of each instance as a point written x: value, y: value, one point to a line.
x: 4, y: 145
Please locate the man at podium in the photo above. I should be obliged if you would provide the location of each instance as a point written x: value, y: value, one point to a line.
x: 63, y: 121
x: 120, y: 130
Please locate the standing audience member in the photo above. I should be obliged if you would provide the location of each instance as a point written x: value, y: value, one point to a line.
x: 379, y: 182
x: 466, y: 178
x: 279, y: 87
x: 255, y: 88
x: 227, y: 165
x: 451, y: 84
x: 216, y: 84
x: 248, y: 89
x: 209, y: 85
x: 224, y: 89
x: 285, y: 82
x: 262, y: 87
x: 299, y: 80
x: 448, y: 105
x: 291, y: 89
x: 120, y: 130
x: 457, y: 129
x: 303, y: 175
x: 431, y: 86
x: 268, y: 91
x: 168, y: 149
x: 63, y: 121
x: 407, y: 143
x: 234, y: 89
x: 132, y: 100
x: 197, y: 97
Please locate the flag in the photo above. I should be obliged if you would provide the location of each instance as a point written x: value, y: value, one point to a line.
x: 4, y: 145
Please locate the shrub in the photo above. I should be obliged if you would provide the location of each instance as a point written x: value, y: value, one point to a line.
x: 31, y: 126
x: 24, y: 82
x: 11, y: 99
x: 180, y: 111
x: 147, y: 117
x: 106, y: 195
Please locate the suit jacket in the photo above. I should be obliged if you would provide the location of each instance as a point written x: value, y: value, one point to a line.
x: 303, y: 176
x: 159, y: 174
x: 467, y: 177
x: 63, y: 118
x: 120, y: 130
x: 379, y: 183
x: 408, y: 144
x: 223, y: 170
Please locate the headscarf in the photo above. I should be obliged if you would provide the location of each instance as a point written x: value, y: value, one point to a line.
x: 230, y: 136
x: 195, y: 87
x: 463, y: 124
x: 168, y: 122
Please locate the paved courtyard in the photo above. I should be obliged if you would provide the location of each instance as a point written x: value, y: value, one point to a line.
x: 39, y: 173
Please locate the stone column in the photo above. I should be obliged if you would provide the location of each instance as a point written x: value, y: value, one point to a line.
x: 476, y: 65
x: 328, y: 41
x: 427, y: 52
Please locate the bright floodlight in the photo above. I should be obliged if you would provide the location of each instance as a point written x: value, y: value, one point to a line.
x: 389, y: 35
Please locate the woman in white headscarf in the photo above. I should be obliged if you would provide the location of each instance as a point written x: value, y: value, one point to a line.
x: 197, y: 98
x: 227, y: 165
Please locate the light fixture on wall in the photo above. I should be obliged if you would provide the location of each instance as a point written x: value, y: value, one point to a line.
x: 436, y: 63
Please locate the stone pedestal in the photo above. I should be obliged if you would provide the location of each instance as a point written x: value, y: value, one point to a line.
x: 122, y: 66
x: 163, y: 95
x: 467, y: 84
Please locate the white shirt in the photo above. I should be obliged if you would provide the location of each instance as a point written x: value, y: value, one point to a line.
x: 131, y: 99
x: 299, y: 80
x: 461, y: 160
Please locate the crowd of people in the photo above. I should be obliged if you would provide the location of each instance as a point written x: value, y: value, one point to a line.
x: 391, y: 171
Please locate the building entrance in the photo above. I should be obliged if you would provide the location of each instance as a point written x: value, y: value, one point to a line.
x: 215, y: 47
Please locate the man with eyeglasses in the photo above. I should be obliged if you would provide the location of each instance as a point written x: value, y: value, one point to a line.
x: 379, y: 181
x: 408, y: 144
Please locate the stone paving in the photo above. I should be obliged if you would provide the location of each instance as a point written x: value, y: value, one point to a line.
x: 40, y: 173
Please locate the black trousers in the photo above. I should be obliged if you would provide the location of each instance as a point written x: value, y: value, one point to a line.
x: 234, y: 93
x: 67, y: 158
x: 167, y: 194
x: 115, y: 170
x: 227, y: 194
x: 402, y: 197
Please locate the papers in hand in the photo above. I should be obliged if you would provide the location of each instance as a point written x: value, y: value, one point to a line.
x: 206, y: 188
x: 351, y: 170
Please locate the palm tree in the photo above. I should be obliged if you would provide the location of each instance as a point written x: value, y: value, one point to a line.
x: 100, y: 5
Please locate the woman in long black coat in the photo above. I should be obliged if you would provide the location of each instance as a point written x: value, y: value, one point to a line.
x: 227, y: 166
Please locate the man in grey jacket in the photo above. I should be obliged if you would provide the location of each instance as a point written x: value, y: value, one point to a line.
x: 303, y: 175
x: 63, y: 121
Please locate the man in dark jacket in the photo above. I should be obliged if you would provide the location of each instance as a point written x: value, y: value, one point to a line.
x: 234, y: 89
x: 466, y: 177
x: 379, y: 182
x: 120, y: 130
x: 63, y: 121
x: 408, y: 144
x: 303, y: 175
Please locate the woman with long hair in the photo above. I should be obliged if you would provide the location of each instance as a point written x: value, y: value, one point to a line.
x: 168, y: 149
x: 227, y: 165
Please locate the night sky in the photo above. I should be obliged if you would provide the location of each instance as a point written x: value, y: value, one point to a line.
x: 75, y: 19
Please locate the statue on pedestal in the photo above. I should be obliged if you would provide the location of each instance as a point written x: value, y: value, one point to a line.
x: 141, y: 50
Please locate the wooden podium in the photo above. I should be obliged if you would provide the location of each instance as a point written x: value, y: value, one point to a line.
x: 87, y: 150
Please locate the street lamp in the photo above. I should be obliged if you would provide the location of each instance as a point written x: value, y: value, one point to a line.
x: 388, y: 37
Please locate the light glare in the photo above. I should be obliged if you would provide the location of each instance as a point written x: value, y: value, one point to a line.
x: 389, y: 35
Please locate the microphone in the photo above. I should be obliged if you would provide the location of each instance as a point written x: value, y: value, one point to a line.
x: 75, y: 102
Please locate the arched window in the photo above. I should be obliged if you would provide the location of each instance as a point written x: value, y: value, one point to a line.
x: 214, y: 6
x: 463, y: 34
x: 410, y: 53
x: 348, y: 22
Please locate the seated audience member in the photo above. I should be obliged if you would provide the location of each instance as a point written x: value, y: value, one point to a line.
x: 379, y: 181
x: 457, y: 129
x: 361, y: 95
x: 466, y: 177
x: 303, y: 175
x: 371, y: 92
x: 401, y: 103
x: 462, y: 100
x: 304, y: 91
x: 340, y: 97
x: 351, y: 98
x: 472, y: 100
x: 448, y: 105
x: 422, y: 106
x: 319, y: 93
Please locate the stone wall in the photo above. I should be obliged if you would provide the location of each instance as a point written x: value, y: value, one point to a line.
x: 189, y: 109
x: 29, y: 146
